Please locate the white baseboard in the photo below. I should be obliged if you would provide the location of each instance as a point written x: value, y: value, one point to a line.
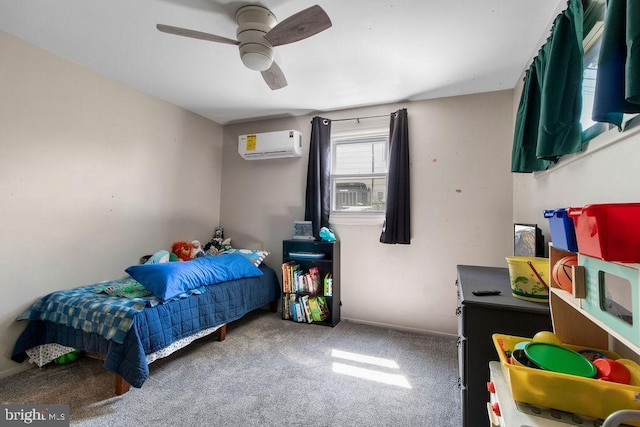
x: 12, y: 371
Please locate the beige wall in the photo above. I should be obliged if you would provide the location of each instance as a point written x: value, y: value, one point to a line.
x: 93, y: 175
x: 461, y: 208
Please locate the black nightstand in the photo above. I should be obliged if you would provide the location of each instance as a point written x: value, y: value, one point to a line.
x: 479, y: 317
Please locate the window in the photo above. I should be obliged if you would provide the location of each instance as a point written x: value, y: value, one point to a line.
x: 594, y: 12
x: 593, y: 25
x: 591, y: 43
x: 359, y: 172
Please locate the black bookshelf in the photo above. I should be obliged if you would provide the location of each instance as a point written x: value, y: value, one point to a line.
x: 305, y: 253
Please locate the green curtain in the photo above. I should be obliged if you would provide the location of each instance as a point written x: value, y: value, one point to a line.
x: 548, y: 118
x: 618, y: 79
x: 560, y: 130
x: 523, y: 157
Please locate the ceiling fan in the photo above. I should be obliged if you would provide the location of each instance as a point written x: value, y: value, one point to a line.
x: 259, y: 32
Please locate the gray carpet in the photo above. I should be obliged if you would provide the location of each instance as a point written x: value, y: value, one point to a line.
x: 267, y: 372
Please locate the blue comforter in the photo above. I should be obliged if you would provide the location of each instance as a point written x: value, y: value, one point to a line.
x: 84, y: 308
x: 154, y: 328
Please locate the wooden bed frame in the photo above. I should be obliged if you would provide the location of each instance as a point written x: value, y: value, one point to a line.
x: 122, y: 386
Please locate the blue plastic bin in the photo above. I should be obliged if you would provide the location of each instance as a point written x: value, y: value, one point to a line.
x: 563, y: 232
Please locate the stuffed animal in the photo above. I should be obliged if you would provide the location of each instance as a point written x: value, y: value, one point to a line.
x: 210, y: 248
x: 197, y: 250
x: 327, y: 235
x: 226, y: 244
x: 217, y: 243
x: 213, y: 246
x: 67, y: 358
x: 182, y: 250
x: 158, y: 257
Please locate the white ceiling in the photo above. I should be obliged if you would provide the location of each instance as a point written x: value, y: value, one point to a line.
x: 376, y: 51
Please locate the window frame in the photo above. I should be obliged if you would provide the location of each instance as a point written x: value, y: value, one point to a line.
x: 354, y: 137
x: 597, y: 128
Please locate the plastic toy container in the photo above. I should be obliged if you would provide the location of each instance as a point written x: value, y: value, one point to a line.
x: 563, y: 232
x: 610, y: 232
x: 570, y: 393
x: 529, y: 277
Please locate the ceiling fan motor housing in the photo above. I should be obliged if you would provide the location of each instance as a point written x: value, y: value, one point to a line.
x: 253, y: 23
x: 258, y: 32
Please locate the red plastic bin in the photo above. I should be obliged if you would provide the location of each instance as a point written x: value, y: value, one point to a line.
x: 610, y: 232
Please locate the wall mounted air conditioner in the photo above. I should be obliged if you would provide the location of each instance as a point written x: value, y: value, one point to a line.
x: 270, y: 145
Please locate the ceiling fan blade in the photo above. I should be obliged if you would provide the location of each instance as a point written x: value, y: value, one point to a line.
x: 195, y: 34
x: 274, y: 77
x: 299, y: 26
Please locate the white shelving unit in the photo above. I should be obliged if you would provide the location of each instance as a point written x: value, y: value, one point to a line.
x: 573, y: 325
x: 576, y: 326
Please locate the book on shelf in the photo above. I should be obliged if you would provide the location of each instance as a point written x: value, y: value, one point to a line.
x: 286, y: 308
x: 305, y: 308
x: 295, y: 280
x: 300, y: 309
x: 314, y: 280
x: 318, y: 308
x: 294, y: 308
x: 328, y: 285
x: 290, y: 307
x: 304, y: 302
x: 285, y: 276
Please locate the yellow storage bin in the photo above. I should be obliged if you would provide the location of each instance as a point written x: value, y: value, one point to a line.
x: 529, y: 278
x: 570, y: 393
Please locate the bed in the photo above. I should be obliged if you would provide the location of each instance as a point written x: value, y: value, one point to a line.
x: 131, y: 331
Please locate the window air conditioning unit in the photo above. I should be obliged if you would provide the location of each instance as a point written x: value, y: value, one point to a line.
x: 270, y: 145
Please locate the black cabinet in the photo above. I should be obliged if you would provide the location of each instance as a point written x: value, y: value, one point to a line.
x: 311, y: 254
x: 479, y: 317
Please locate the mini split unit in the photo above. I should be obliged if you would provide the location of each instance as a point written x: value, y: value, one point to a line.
x: 270, y: 145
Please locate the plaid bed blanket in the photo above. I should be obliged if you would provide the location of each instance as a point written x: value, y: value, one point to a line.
x: 86, y: 309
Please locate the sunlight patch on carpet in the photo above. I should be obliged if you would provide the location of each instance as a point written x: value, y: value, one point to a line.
x: 372, y: 360
x: 371, y: 374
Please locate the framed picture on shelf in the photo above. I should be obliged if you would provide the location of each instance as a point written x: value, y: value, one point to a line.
x: 303, y: 230
x: 528, y: 240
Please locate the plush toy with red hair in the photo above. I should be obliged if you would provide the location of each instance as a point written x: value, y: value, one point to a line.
x: 182, y: 250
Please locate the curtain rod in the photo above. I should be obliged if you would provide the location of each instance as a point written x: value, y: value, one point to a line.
x: 363, y: 118
x: 357, y: 119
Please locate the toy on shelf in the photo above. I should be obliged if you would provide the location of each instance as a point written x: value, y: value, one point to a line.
x: 327, y: 235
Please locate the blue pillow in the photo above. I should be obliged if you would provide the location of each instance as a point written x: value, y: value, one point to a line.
x: 167, y: 280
